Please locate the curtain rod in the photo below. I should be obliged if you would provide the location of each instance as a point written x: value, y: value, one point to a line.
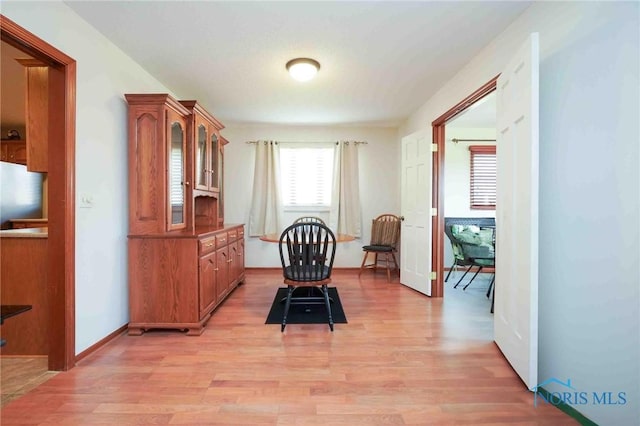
x: 336, y: 142
x: 456, y: 140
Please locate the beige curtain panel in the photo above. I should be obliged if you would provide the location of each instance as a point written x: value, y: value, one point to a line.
x: 266, y: 206
x: 345, y: 215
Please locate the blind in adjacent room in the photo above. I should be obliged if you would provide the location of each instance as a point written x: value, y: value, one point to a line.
x: 483, y: 177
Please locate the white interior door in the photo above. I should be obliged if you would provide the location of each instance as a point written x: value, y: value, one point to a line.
x: 516, y: 291
x: 415, y: 206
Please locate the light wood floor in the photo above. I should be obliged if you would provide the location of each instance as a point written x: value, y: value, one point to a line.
x: 402, y: 359
x: 21, y: 374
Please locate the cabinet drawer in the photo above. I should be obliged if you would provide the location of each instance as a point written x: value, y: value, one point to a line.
x: 241, y: 233
x: 233, y: 235
x: 207, y: 245
x: 222, y: 240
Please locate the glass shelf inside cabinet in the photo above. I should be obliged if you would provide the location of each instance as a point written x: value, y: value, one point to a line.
x: 215, y: 162
x: 201, y: 157
x: 221, y: 185
x: 176, y: 175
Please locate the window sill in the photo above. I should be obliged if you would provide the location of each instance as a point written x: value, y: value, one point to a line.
x: 306, y: 209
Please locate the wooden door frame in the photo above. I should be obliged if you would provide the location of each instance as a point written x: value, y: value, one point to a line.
x: 61, y: 181
x: 438, y: 125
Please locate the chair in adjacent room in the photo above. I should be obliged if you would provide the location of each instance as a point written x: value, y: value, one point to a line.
x: 307, y: 251
x: 480, y: 255
x: 456, y: 247
x: 385, y: 232
x: 472, y: 246
x: 309, y: 219
x: 458, y: 256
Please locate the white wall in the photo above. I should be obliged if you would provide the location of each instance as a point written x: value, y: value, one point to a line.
x: 457, y: 164
x: 589, y: 288
x: 379, y: 180
x: 104, y: 75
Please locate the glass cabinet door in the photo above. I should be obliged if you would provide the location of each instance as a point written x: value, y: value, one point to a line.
x: 201, y: 158
x: 176, y: 176
x: 213, y: 165
x: 220, y: 172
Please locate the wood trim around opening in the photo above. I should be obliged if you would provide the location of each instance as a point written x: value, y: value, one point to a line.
x: 438, y: 126
x: 101, y: 343
x: 61, y: 178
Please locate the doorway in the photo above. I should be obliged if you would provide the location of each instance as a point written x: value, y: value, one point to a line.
x: 470, y: 175
x: 438, y: 200
x: 61, y: 189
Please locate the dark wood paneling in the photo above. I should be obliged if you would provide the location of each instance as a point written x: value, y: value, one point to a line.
x: 24, y: 282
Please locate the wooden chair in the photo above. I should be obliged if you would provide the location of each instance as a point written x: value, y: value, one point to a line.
x: 307, y: 251
x: 385, y: 231
x: 309, y: 219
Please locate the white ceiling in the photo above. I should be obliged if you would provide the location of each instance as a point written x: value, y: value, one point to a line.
x: 480, y: 114
x: 379, y: 60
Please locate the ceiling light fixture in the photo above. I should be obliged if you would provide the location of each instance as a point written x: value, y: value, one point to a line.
x: 303, y: 69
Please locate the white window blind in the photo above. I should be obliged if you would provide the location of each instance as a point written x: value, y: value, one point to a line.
x: 483, y: 177
x: 306, y: 176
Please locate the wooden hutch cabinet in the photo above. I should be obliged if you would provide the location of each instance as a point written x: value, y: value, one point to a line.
x: 13, y: 151
x: 183, y: 260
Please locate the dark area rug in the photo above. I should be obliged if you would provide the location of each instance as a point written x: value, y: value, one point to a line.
x: 307, y: 313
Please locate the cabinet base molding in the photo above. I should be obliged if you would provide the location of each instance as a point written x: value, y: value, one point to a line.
x: 192, y: 329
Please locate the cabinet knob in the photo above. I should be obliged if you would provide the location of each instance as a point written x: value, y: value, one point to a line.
x: 216, y: 269
x: 186, y: 183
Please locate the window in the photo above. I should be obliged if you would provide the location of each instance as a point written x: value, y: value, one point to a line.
x: 483, y: 177
x: 306, y: 175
